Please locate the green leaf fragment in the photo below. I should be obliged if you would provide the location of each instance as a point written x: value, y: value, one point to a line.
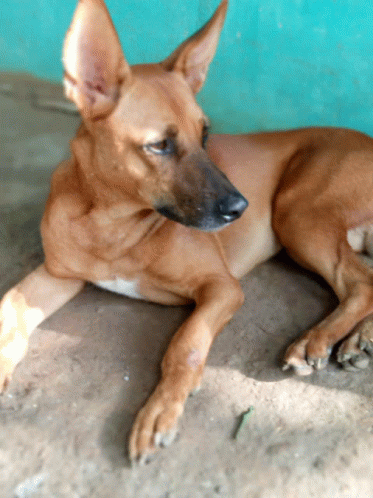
x: 244, y: 418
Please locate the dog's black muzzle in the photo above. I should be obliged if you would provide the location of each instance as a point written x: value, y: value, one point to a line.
x: 202, y: 196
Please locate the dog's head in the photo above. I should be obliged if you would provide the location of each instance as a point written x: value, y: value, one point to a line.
x: 148, y: 131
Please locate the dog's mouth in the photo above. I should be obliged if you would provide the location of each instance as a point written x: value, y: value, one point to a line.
x: 211, y: 215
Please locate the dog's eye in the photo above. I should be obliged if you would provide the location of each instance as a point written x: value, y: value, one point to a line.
x: 205, y: 136
x: 162, y: 148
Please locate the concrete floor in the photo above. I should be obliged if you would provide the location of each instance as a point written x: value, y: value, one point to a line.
x: 66, y: 416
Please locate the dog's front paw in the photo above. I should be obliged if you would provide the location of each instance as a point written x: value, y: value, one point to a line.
x: 155, y: 426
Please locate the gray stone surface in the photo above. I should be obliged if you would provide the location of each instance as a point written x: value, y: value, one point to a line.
x: 66, y: 416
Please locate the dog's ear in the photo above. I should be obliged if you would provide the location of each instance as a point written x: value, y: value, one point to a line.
x: 94, y: 62
x: 192, y: 58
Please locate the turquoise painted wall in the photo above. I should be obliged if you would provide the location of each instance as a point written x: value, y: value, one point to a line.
x: 280, y: 63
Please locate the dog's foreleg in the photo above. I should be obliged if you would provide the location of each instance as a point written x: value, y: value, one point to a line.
x: 23, y: 308
x: 182, y: 366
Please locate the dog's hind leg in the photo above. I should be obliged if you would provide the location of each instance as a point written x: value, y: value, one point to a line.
x: 319, y: 243
x: 23, y: 308
x: 354, y: 352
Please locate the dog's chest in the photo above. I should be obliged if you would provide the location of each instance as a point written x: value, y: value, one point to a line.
x: 127, y: 288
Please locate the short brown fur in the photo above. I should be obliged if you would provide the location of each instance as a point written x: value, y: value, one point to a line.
x: 309, y: 190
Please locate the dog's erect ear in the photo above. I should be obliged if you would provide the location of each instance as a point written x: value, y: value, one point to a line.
x: 93, y: 59
x: 192, y: 58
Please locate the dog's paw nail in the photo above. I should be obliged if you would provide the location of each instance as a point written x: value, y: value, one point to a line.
x: 299, y: 368
x: 318, y: 363
x: 164, y: 440
x: 361, y: 362
x: 145, y: 459
x: 195, y: 391
x: 363, y: 345
x: 366, y: 346
x: 158, y: 439
x: 346, y: 365
x: 342, y: 357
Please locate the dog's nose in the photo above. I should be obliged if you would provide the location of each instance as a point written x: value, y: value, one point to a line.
x: 232, y: 206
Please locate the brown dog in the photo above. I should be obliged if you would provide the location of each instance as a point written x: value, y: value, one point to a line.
x: 123, y: 213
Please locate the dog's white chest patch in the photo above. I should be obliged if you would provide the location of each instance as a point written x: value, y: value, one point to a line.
x: 120, y: 286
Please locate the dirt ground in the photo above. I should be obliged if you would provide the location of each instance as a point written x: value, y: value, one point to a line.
x: 66, y: 416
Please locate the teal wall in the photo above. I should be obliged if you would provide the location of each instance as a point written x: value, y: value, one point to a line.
x: 280, y: 63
